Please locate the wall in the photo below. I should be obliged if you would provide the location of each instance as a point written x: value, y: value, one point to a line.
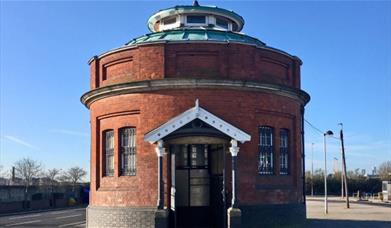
x: 12, y: 197
x: 245, y: 110
x: 195, y: 60
x: 248, y: 109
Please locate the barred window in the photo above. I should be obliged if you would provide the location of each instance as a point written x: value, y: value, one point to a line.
x: 109, y: 152
x: 128, y: 151
x: 284, y: 151
x: 265, y: 150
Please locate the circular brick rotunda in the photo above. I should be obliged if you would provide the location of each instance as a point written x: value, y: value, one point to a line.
x: 196, y: 125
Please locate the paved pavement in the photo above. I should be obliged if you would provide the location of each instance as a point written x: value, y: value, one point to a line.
x: 360, y: 214
x: 70, y: 217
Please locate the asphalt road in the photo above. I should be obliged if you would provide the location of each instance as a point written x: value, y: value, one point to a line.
x: 70, y: 217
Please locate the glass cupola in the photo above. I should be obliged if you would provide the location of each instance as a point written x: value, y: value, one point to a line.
x: 195, y: 16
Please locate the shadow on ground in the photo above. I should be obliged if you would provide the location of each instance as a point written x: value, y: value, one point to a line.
x: 319, y: 223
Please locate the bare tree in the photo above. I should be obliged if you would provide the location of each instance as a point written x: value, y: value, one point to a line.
x: 63, y: 178
x: 4, y: 176
x: 3, y: 173
x: 27, y: 169
x: 385, y: 171
x: 52, y: 176
x: 74, y: 175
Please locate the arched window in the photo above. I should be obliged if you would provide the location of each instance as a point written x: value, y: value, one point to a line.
x: 128, y: 151
x: 284, y: 141
x: 265, y: 150
x: 108, y: 155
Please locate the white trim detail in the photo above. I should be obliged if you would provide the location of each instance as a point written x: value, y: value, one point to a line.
x: 160, y: 150
x: 191, y: 114
x: 234, y: 149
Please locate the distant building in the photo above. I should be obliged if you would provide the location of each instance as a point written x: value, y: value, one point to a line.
x: 196, y: 125
x: 4, y: 181
x: 374, y: 171
x: 371, y: 176
x: 16, y: 181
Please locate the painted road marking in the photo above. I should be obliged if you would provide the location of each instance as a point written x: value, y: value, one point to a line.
x: 72, y: 224
x: 66, y: 211
x: 68, y: 216
x: 26, y: 216
x: 22, y: 223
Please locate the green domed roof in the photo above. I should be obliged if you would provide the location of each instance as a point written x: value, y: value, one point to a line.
x: 189, y: 35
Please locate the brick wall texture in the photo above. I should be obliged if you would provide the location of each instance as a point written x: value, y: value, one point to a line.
x: 217, y: 61
x: 247, y: 110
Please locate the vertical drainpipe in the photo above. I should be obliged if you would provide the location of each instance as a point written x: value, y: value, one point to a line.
x: 302, y: 151
x: 97, y: 75
x: 160, y: 152
x: 223, y: 191
x: 234, y: 149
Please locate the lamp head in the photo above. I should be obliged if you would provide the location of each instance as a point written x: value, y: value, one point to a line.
x: 328, y: 133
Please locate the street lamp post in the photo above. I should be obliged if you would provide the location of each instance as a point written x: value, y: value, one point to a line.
x: 330, y: 133
x: 342, y: 176
x: 345, y: 178
x: 312, y: 171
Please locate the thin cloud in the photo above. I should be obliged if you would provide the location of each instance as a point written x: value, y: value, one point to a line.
x: 20, y: 142
x: 69, y: 132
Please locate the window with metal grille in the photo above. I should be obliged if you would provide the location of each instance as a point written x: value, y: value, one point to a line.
x: 284, y: 151
x: 265, y: 150
x: 109, y: 152
x: 128, y: 151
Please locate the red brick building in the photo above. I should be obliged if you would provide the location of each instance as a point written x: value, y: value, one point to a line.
x: 196, y: 125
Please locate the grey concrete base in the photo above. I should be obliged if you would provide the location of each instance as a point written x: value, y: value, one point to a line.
x: 234, y: 218
x: 273, y: 215
x: 161, y: 219
x: 125, y: 217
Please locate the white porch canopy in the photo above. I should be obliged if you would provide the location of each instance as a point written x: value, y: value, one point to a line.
x: 191, y: 114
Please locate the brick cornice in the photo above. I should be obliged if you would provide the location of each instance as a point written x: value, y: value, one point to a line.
x: 166, y: 84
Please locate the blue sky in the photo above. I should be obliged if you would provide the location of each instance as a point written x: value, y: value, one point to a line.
x: 45, y: 46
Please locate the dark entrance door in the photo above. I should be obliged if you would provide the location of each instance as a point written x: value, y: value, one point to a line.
x: 198, y: 185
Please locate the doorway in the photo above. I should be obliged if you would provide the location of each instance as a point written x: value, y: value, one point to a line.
x: 197, y: 185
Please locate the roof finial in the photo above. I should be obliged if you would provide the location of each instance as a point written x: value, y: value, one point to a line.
x: 197, y: 108
x: 195, y: 3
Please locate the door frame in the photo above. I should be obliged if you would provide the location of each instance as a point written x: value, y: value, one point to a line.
x: 171, y: 167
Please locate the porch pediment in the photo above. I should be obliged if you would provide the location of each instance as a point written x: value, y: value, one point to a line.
x: 191, y: 114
